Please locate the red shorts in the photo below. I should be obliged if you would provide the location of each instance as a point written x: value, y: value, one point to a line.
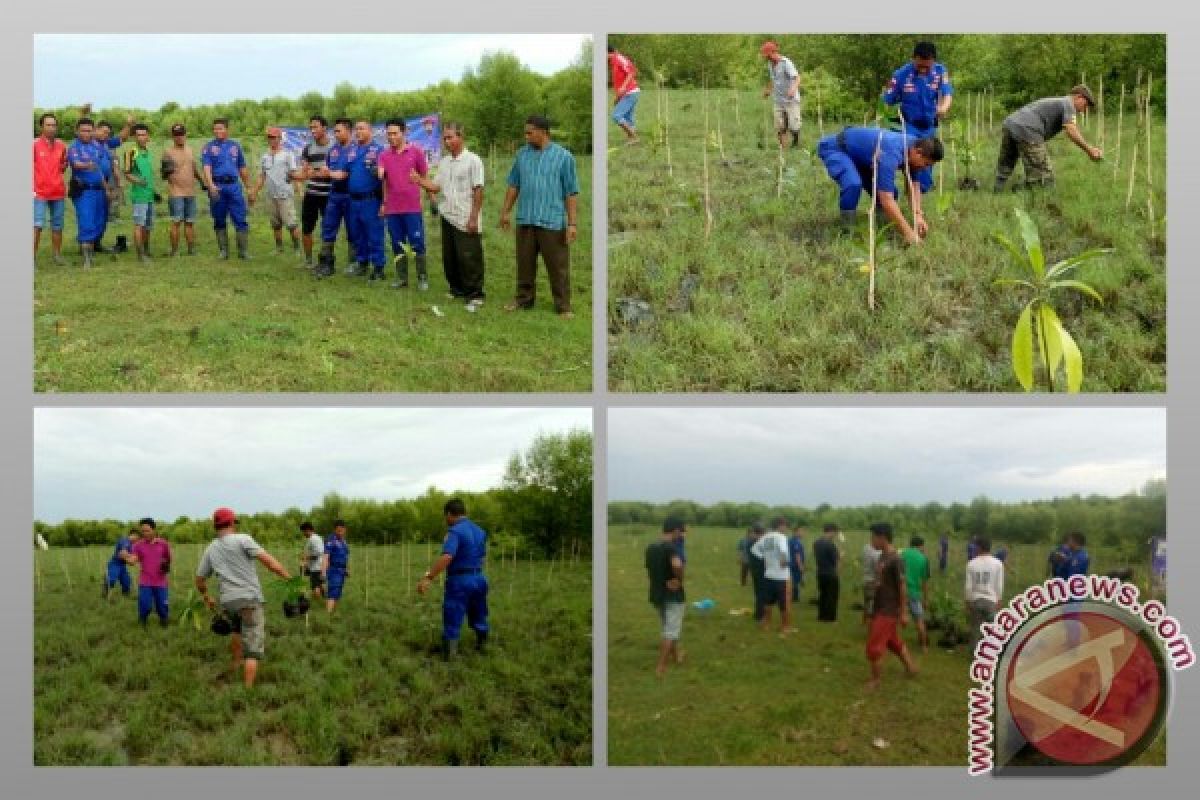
x: 883, y: 635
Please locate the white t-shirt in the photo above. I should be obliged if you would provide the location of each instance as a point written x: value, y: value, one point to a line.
x: 772, y: 548
x: 870, y: 563
x: 985, y: 578
x: 314, y: 549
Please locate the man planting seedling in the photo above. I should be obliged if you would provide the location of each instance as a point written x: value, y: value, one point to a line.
x: 153, y: 554
x: 117, y: 571
x: 851, y: 156
x: 337, y: 564
x: 463, y: 553
x: 231, y: 557
x: 312, y: 559
x: 1026, y: 131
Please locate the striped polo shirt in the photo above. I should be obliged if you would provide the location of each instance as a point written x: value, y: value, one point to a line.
x: 314, y: 154
x: 544, y: 179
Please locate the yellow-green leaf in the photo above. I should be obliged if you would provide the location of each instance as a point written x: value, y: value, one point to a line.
x: 1072, y: 359
x: 1048, y: 329
x: 1022, y: 349
x: 1033, y: 242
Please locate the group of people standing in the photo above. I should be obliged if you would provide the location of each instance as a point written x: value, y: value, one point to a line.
x: 348, y: 182
x: 232, y: 558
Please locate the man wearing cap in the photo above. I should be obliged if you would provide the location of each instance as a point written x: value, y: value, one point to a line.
x: 49, y: 188
x: 1026, y: 131
x: 153, y: 554
x: 463, y: 552
x: 224, y: 164
x: 336, y: 565
x: 139, y: 169
x: 459, y: 187
x: 312, y: 559
x: 402, y: 168
x: 543, y: 185
x: 624, y: 81
x: 118, y: 570
x: 316, y: 185
x: 922, y: 90
x: 784, y: 90
x: 852, y: 155
x: 88, y: 185
x: 181, y: 173
x: 337, y: 207
x: 664, y: 568
x: 278, y: 168
x: 231, y: 556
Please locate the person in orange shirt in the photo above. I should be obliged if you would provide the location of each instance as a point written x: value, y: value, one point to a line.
x: 49, y: 188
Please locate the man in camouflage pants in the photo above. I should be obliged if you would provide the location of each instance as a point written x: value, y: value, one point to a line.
x: 1026, y: 131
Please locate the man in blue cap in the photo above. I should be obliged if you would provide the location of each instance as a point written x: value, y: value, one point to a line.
x: 923, y: 91
x: 337, y: 564
x: 224, y: 164
x: 852, y: 155
x: 366, y: 198
x: 118, y: 571
x: 337, y: 207
x: 85, y: 156
x: 463, y: 553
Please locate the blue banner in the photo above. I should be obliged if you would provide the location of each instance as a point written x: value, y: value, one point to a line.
x: 424, y: 132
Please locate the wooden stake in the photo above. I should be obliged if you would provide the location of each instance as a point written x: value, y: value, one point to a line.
x: 1132, y: 174
x: 62, y: 558
x: 871, y: 222
x: 708, y: 217
x: 667, y: 127
x: 720, y: 137
x: 1100, y: 109
x: 1120, y: 120
x: 820, y: 122
x: 1149, y: 163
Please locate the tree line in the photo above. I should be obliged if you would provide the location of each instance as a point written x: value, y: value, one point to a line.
x: 542, y: 509
x: 1126, y: 521
x: 492, y: 100
x: 852, y: 69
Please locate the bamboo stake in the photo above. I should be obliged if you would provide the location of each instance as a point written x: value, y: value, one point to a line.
x: 720, y: 137
x: 667, y: 127
x: 871, y: 221
x: 1132, y: 173
x: 708, y: 217
x: 1149, y: 163
x: 1120, y: 120
x: 909, y: 183
x: 820, y: 121
x: 1100, y: 108
x: 991, y: 108
x: 737, y: 113
x: 62, y: 558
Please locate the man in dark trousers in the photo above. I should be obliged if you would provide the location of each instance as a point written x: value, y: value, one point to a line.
x: 664, y: 569
x: 463, y: 553
x: 826, y: 554
x: 758, y: 572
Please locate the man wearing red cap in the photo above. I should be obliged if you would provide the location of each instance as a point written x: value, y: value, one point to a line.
x: 784, y: 90
x: 231, y: 557
x: 278, y: 168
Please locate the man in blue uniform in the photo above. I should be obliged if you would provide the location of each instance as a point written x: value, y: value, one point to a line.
x: 1059, y: 559
x: 337, y: 207
x: 337, y: 564
x: 366, y: 196
x: 86, y: 157
x: 849, y: 158
x: 466, y: 591
x: 224, y: 163
x: 796, y: 560
x: 923, y: 91
x: 118, y: 571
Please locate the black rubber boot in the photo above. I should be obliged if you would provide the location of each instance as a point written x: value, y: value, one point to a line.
x: 422, y: 274
x: 848, y: 220
x: 223, y: 244
x: 325, y: 261
x: 87, y: 255
x: 449, y: 649
x: 481, y: 638
x: 243, y: 245
x: 401, y: 263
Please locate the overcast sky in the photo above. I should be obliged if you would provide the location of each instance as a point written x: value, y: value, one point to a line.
x: 125, y: 463
x: 147, y: 70
x: 858, y: 456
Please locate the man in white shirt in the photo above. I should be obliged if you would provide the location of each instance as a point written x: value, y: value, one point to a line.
x: 870, y: 576
x: 312, y: 559
x: 278, y: 168
x: 772, y: 548
x: 984, y: 587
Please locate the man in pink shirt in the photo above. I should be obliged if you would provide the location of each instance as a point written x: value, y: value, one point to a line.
x: 402, y: 202
x: 153, y: 553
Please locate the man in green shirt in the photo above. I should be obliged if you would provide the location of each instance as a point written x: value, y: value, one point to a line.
x: 139, y: 169
x: 916, y: 573
x: 664, y: 568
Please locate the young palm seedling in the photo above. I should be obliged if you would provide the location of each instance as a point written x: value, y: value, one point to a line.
x: 1038, y: 328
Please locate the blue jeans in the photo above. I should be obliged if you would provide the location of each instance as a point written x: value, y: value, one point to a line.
x: 230, y: 202
x: 143, y: 215
x: 57, y: 209
x: 155, y: 596
x: 622, y: 112
x: 406, y: 228
x: 182, y: 209
x: 465, y: 595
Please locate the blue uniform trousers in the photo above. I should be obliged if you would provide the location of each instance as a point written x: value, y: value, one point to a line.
x: 337, y: 209
x: 465, y: 595
x: 366, y: 230
x: 91, y: 215
x: 230, y: 202
x: 152, y: 596
x: 335, y: 578
x: 118, y: 573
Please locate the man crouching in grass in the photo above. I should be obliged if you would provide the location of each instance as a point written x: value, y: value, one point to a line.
x: 665, y: 570
x: 231, y: 558
x: 891, y: 606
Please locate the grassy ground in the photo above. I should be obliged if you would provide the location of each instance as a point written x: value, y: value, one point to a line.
x: 772, y: 301
x: 752, y: 698
x: 198, y: 324
x: 358, y: 688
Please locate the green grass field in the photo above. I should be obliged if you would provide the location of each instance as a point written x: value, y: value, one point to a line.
x: 198, y: 324
x: 360, y: 688
x: 773, y: 302
x: 746, y: 697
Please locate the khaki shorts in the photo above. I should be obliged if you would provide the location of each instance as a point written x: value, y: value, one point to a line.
x: 251, y: 624
x: 671, y: 615
x: 787, y: 117
x: 283, y: 212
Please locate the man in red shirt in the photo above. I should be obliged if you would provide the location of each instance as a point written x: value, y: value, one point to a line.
x: 49, y: 189
x: 624, y: 81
